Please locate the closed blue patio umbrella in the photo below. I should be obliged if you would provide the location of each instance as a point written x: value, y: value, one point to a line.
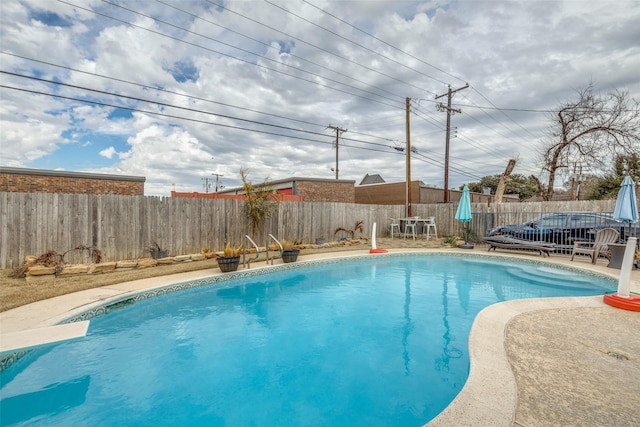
x: 463, y: 214
x: 626, y: 204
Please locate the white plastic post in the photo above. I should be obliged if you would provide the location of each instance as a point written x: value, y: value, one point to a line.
x: 373, y: 236
x: 624, y: 281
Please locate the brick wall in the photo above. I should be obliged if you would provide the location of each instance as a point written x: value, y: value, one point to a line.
x: 395, y: 193
x: 43, y: 181
x: 326, y: 191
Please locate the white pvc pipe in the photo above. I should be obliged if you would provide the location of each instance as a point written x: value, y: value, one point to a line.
x: 373, y: 236
x: 624, y: 281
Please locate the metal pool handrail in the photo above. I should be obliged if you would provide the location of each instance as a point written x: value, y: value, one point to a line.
x: 275, y: 240
x: 246, y: 263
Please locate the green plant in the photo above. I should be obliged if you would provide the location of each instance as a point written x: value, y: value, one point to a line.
x: 358, y: 227
x: 450, y: 240
x: 231, y: 251
x: 261, y: 202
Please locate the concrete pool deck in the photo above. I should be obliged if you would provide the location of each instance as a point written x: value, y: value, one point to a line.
x: 538, y: 362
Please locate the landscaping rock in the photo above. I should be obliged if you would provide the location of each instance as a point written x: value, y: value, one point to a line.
x: 74, y: 269
x: 103, y: 267
x: 40, y: 270
x: 126, y: 265
x: 147, y: 262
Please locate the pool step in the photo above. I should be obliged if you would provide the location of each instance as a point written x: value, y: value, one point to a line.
x: 549, y: 277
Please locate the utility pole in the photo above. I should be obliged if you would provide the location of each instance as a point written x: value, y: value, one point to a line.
x: 217, y: 175
x: 576, y: 179
x: 339, y: 131
x: 206, y: 184
x: 408, y: 184
x: 450, y: 111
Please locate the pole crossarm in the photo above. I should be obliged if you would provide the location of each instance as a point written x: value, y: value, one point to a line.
x: 442, y: 107
x: 452, y: 91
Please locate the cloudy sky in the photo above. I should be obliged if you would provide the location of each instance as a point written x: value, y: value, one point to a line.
x: 178, y: 91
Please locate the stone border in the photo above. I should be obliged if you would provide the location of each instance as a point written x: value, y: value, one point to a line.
x: 39, y: 272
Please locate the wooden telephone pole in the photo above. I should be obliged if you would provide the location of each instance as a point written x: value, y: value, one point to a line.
x: 339, y: 131
x: 450, y: 111
x: 408, y: 185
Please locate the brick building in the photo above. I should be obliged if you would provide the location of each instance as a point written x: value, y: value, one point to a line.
x: 311, y: 189
x: 395, y: 193
x: 62, y: 182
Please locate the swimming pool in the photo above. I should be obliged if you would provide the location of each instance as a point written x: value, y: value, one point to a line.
x: 377, y: 341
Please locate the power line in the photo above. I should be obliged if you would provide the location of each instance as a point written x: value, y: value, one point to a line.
x: 354, y: 43
x: 133, y: 98
x: 250, y: 52
x: 155, y: 113
x: 417, y: 59
x: 181, y: 95
x: 240, y: 59
x: 173, y: 106
x: 501, y: 110
x: 268, y: 46
x: 324, y: 77
x: 155, y: 88
x: 388, y: 44
x: 189, y: 119
x: 351, y: 61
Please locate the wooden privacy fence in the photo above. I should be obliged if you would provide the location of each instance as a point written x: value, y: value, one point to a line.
x: 124, y: 227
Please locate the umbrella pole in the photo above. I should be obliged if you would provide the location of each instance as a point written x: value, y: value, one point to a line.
x: 466, y: 237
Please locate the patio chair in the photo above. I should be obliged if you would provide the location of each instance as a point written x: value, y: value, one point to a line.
x: 428, y: 224
x: 410, y: 226
x: 395, y: 225
x: 598, y: 246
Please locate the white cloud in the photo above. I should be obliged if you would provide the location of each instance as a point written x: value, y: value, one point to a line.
x: 514, y: 54
x: 108, y: 152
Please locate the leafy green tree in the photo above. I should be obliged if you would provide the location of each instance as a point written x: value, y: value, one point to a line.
x: 524, y: 187
x: 607, y: 187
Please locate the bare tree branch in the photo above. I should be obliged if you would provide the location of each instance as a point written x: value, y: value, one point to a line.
x: 592, y: 130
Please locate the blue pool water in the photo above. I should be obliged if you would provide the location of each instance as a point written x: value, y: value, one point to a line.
x: 380, y: 342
